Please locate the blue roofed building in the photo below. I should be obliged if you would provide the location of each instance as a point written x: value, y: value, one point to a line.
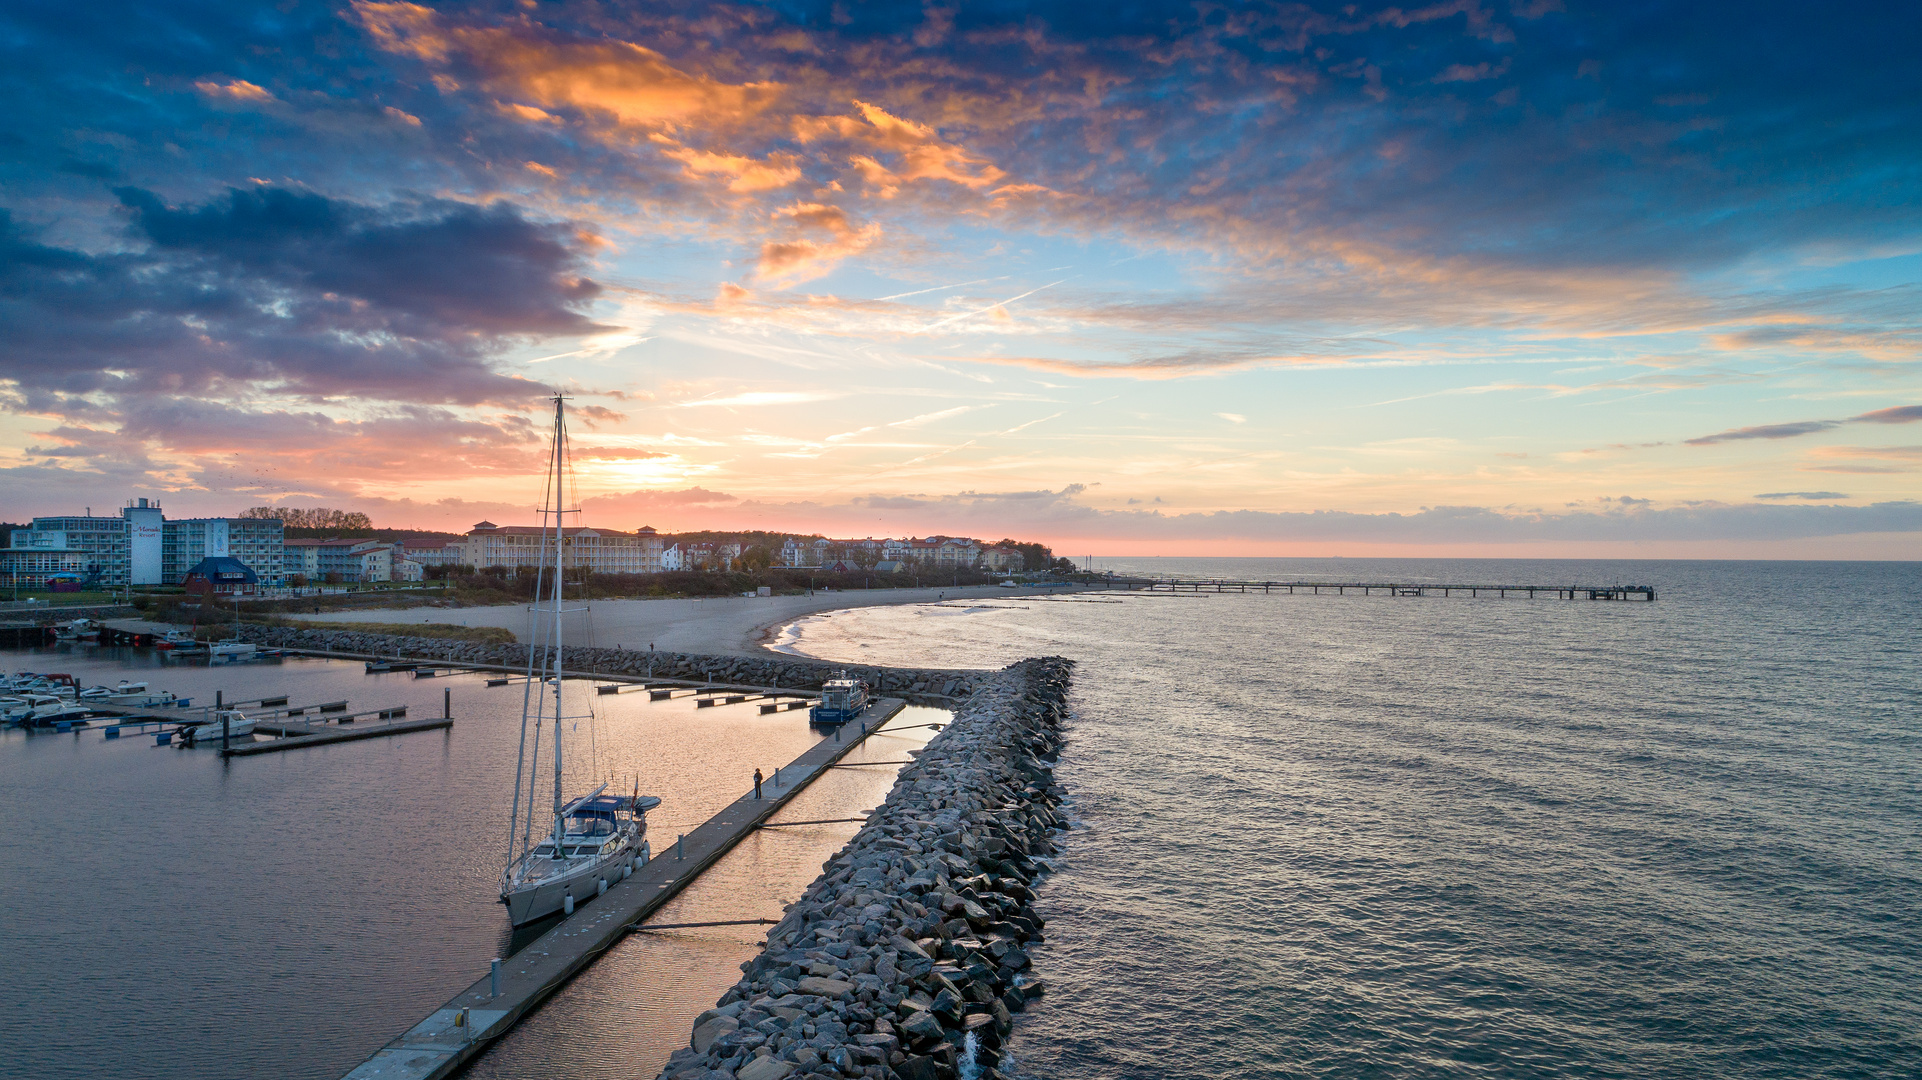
x: 222, y: 574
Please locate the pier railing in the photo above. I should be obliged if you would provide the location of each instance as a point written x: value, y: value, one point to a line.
x: 1386, y: 588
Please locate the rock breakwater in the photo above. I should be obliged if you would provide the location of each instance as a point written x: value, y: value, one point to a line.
x: 787, y: 673
x: 908, y: 957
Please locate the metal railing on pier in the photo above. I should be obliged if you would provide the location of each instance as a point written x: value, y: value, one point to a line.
x: 1386, y: 588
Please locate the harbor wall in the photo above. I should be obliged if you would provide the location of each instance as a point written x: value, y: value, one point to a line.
x: 908, y: 957
x: 934, y: 684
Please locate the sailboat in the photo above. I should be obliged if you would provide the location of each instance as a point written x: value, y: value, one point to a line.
x: 589, y: 842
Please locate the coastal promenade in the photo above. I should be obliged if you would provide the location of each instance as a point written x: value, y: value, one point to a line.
x: 462, y: 1028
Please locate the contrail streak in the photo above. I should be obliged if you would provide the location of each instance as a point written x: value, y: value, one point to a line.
x: 990, y: 307
x: 938, y: 288
x: 1032, y: 423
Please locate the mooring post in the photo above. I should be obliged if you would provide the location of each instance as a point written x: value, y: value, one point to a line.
x: 494, y: 975
x: 679, y: 852
x: 226, y: 730
x: 218, y: 695
x: 447, y: 703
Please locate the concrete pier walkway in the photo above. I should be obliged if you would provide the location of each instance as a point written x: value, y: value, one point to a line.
x: 463, y: 1027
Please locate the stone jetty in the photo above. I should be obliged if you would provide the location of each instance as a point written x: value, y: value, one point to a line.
x: 909, y: 956
x: 770, y: 671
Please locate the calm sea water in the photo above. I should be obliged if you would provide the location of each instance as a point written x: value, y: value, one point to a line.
x: 164, y: 914
x: 1340, y: 836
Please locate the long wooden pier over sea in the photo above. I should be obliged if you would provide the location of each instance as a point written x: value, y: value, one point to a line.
x: 1643, y: 593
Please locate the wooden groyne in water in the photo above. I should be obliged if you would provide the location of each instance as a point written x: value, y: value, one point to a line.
x: 463, y: 1027
x: 1388, y: 588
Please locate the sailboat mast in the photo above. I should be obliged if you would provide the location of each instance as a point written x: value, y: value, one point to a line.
x: 560, y: 503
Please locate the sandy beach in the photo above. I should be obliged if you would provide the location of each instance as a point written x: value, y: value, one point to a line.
x: 731, y: 625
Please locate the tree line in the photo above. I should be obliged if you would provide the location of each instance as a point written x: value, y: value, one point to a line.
x: 318, y: 517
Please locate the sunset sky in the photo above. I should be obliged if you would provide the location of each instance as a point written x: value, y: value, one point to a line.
x: 1473, y: 278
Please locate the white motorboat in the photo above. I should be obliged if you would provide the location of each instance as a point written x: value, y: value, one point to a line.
x: 58, y: 712
x: 59, y: 685
x: 590, y: 843
x: 18, y: 708
x: 142, y: 698
x: 230, y: 722
x: 231, y: 650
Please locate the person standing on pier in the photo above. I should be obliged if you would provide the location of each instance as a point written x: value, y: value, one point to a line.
x: 757, y: 783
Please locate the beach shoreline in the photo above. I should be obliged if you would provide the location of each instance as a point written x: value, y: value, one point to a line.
x: 722, y: 626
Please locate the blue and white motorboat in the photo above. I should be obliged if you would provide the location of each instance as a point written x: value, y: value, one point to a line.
x: 843, y: 698
x: 61, y: 711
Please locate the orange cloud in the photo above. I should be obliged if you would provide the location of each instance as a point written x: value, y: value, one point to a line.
x: 921, y: 154
x: 626, y: 83
x: 743, y: 174
x: 790, y: 262
x: 236, y: 90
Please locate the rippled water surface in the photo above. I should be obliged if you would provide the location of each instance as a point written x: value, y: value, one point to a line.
x: 164, y: 914
x: 1337, y: 836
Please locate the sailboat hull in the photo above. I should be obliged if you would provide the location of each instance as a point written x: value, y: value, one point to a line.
x: 537, y: 900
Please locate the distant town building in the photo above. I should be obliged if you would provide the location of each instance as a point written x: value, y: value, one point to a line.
x: 140, y: 546
x: 673, y: 558
x: 221, y: 574
x: 1002, y: 559
x: 35, y: 556
x: 258, y: 542
x: 821, y: 551
x: 324, y: 561
x: 433, y: 550
x: 602, y: 551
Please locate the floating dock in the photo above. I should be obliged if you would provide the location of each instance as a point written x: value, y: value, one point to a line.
x: 1389, y: 588
x: 296, y: 736
x: 463, y: 1027
x: 21, y: 635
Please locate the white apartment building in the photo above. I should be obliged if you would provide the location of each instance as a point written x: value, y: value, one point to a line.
x: 139, y: 546
x: 603, y: 551
x: 433, y: 550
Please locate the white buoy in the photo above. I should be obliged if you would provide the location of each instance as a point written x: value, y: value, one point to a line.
x: 601, y: 888
x: 567, y: 904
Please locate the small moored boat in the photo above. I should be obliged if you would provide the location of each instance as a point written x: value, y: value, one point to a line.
x: 231, y: 650
x: 843, y: 698
x: 230, y: 722
x: 59, y: 712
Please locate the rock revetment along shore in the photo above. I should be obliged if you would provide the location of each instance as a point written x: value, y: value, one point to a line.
x: 913, y: 684
x: 908, y: 956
